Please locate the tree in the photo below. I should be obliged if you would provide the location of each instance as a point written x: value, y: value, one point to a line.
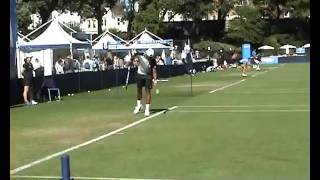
x: 93, y: 9
x: 249, y: 27
x: 300, y: 8
x: 45, y: 7
x: 129, y: 15
x: 223, y: 7
x: 148, y: 18
x: 23, y: 16
x: 272, y: 8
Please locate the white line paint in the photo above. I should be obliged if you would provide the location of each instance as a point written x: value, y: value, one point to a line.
x: 258, y: 105
x: 229, y: 85
x: 270, y: 69
x: 244, y: 111
x: 86, y: 178
x: 88, y: 142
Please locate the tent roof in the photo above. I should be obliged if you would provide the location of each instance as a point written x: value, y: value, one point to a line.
x: 108, y: 39
x: 54, y: 37
x: 145, y: 37
x: 146, y: 40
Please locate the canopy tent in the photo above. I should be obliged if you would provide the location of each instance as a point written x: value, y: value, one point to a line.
x: 53, y: 37
x: 287, y: 47
x: 110, y: 41
x: 266, y: 47
x: 146, y: 40
x: 306, y: 45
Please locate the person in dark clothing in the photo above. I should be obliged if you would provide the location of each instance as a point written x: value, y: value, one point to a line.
x: 27, y: 81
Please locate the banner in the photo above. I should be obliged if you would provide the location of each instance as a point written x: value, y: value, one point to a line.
x: 269, y: 60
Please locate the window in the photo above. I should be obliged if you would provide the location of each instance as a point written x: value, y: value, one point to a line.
x: 94, y: 24
x: 89, y: 24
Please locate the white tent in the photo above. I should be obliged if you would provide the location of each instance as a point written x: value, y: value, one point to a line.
x: 306, y: 45
x: 266, y: 47
x: 146, y: 40
x: 54, y: 37
x: 287, y: 47
x: 110, y: 41
x: 41, y: 47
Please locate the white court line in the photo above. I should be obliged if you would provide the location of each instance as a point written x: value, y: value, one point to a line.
x: 229, y: 85
x: 88, y: 142
x: 270, y: 69
x: 76, y: 178
x: 258, y: 105
x: 243, y: 111
x: 238, y: 82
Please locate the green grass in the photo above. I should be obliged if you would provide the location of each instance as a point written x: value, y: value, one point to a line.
x: 206, y: 143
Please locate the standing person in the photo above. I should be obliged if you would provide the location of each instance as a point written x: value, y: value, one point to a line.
x: 38, y: 68
x: 27, y: 80
x: 146, y: 75
x: 244, y: 67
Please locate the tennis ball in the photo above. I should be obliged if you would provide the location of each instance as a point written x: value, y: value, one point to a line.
x: 109, y: 89
x: 72, y: 94
x: 123, y: 87
x: 69, y: 94
x: 157, y: 91
x: 88, y: 91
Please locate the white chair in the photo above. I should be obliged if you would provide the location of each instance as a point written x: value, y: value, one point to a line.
x: 54, y: 89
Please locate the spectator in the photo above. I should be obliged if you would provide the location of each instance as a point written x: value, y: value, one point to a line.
x: 69, y: 66
x: 59, y: 66
x: 27, y: 80
x: 88, y: 64
x: 159, y: 60
x: 38, y: 68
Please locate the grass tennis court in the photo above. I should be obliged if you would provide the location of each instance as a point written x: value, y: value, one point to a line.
x: 257, y: 128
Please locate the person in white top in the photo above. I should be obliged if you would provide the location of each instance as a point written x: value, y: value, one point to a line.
x: 146, y: 77
x: 38, y: 67
x: 59, y: 66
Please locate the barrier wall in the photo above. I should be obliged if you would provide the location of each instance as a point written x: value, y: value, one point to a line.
x: 84, y: 81
x: 294, y: 59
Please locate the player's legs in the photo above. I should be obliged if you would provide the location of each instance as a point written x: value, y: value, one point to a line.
x: 139, y: 95
x: 148, y: 87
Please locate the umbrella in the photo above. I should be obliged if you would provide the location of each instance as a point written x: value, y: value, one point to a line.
x: 266, y: 47
x: 287, y: 47
x: 306, y: 45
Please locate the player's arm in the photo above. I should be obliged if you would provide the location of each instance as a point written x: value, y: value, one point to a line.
x: 154, y: 73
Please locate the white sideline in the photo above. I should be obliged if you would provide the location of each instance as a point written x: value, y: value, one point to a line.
x: 244, y: 106
x: 235, y: 83
x: 243, y: 111
x: 270, y: 69
x: 88, y: 142
x: 86, y: 178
